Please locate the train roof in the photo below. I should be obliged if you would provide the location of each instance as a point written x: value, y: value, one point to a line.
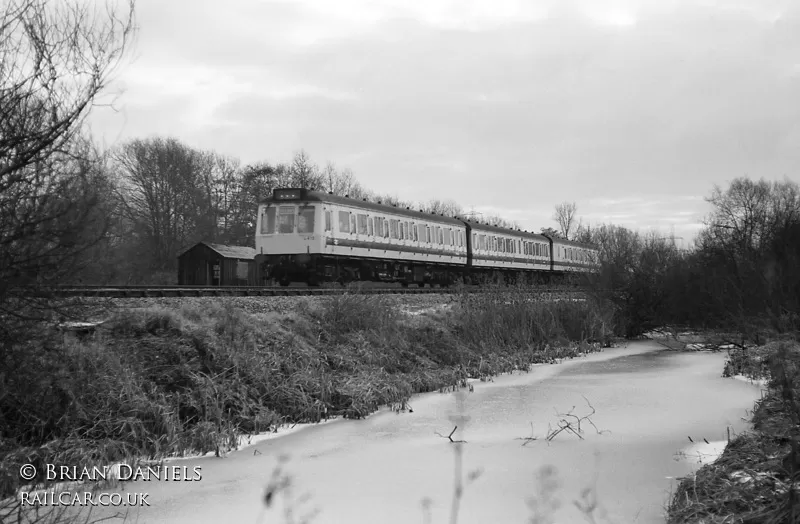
x: 307, y: 195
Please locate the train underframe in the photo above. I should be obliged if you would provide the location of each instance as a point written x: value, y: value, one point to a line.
x: 315, y: 269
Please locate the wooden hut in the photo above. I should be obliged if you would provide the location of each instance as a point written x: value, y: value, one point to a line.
x: 207, y: 264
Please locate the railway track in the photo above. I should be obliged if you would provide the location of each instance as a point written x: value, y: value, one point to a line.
x: 248, y: 291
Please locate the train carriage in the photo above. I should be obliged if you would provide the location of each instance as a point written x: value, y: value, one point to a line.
x: 310, y: 236
x: 507, y: 250
x: 569, y: 256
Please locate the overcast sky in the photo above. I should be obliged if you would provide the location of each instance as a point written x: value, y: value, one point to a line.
x: 631, y: 109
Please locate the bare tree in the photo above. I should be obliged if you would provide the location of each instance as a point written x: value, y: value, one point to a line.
x: 336, y: 181
x: 164, y: 195
x: 304, y: 172
x: 749, y: 253
x: 549, y: 231
x: 56, y: 59
x: 564, y: 216
x: 495, y: 220
x: 445, y: 207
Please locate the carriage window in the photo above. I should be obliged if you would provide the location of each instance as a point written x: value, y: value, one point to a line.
x: 370, y: 229
x: 378, y: 226
x: 306, y: 222
x: 428, y: 234
x: 414, y: 232
x: 447, y: 237
x: 362, y: 224
x: 268, y: 222
x: 405, y: 230
x: 344, y: 222
x: 328, y: 220
x: 385, y: 228
x: 286, y: 219
x: 439, y: 235
x: 352, y: 223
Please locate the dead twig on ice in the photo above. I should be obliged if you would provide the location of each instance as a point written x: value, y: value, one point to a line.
x: 450, y: 436
x: 572, y: 423
x: 530, y: 439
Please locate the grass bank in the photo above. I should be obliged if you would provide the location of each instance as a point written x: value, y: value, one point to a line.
x: 157, y: 382
x: 757, y: 478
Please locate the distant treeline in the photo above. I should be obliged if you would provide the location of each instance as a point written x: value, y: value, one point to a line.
x: 742, y: 274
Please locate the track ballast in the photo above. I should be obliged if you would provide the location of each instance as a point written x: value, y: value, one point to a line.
x: 276, y: 291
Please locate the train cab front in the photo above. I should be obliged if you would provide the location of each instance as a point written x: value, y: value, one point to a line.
x: 289, y: 233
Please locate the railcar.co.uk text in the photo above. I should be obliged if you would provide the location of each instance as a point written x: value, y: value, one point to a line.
x: 59, y: 475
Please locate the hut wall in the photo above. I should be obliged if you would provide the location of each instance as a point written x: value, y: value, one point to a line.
x: 238, y: 272
x: 202, y: 266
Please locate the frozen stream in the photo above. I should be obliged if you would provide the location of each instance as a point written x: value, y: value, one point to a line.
x: 378, y: 470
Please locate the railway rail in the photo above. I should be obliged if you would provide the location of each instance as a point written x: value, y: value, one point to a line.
x: 140, y: 291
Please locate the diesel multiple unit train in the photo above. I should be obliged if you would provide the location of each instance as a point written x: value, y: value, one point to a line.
x: 309, y: 236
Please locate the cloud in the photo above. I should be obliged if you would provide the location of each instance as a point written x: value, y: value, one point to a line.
x: 628, y: 108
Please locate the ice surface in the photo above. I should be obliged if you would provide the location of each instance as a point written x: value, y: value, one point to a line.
x: 648, y: 402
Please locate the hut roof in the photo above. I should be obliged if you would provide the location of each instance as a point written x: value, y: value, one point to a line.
x: 243, y: 252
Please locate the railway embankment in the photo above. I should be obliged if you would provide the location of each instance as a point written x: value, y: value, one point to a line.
x: 172, y: 377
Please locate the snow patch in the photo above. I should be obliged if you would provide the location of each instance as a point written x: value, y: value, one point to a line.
x: 762, y: 382
x: 703, y: 452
